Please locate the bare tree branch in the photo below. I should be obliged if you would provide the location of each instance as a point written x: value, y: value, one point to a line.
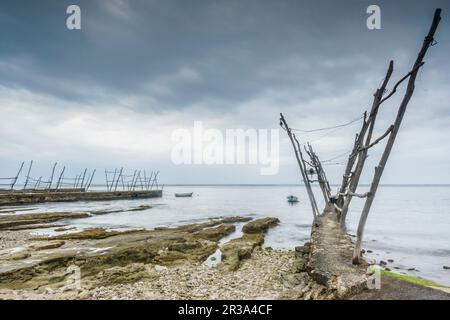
x: 384, y: 135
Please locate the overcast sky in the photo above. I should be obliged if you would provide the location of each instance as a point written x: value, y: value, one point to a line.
x: 112, y: 93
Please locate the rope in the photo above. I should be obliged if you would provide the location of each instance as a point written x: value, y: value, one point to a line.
x: 338, y: 156
x: 329, y: 128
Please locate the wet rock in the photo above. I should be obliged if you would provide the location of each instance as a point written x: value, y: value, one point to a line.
x: 446, y: 267
x: 9, y: 221
x: 300, y: 265
x: 184, y: 246
x: 369, y: 251
x: 64, y: 229
x: 234, y: 251
x: 126, y: 274
x: 382, y: 263
x: 302, y: 249
x: 292, y: 280
x: 19, y: 255
x: 235, y: 219
x: 32, y: 226
x: 91, y: 233
x: 171, y: 257
x: 215, y: 233
x: 84, y: 295
x: 260, y: 225
x: 95, y: 250
x: 47, y: 245
x: 140, y: 208
x: 391, y: 260
x: 321, y: 277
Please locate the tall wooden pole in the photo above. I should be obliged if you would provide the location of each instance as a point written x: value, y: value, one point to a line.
x: 429, y: 40
x: 320, y: 178
x: 53, y: 174
x: 362, y: 152
x: 322, y: 174
x: 350, y: 163
x: 117, y: 181
x: 82, y: 179
x: 58, y: 185
x: 90, y: 180
x: 28, y: 175
x: 17, y: 176
x: 308, y: 183
x: 300, y: 163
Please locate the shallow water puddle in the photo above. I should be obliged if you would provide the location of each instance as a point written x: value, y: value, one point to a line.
x: 213, y: 260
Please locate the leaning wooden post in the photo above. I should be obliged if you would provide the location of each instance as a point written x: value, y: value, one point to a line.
x: 60, y: 178
x: 322, y: 174
x: 113, y: 180
x: 117, y: 181
x: 362, y: 152
x: 17, y: 176
x: 84, y: 176
x: 318, y: 172
x: 155, y: 180
x: 51, y: 177
x: 308, y: 183
x: 28, y: 175
x: 90, y: 180
x: 136, y: 179
x: 350, y: 162
x: 149, y: 180
x: 429, y: 40
x: 300, y: 164
x: 38, y: 183
x: 130, y: 186
x: 106, y: 178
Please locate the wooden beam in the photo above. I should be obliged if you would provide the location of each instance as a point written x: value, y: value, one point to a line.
x: 428, y: 41
x: 300, y: 163
x: 362, y: 153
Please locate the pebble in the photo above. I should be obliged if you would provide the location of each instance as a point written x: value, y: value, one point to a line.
x: 259, y: 276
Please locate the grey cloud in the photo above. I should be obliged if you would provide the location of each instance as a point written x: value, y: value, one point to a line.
x: 229, y: 63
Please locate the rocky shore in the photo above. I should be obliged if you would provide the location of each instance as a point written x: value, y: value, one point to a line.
x: 176, y: 262
x: 164, y: 263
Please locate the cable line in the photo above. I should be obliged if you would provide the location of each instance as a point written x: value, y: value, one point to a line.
x: 329, y: 128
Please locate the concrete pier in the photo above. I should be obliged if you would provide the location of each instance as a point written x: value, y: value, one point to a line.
x: 330, y: 257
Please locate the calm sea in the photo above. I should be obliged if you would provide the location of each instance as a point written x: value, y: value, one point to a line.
x: 408, y: 224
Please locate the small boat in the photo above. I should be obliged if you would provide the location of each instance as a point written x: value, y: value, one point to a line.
x: 183, y: 195
x: 292, y: 199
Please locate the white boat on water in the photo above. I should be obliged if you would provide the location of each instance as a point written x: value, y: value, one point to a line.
x: 292, y: 198
x: 183, y: 195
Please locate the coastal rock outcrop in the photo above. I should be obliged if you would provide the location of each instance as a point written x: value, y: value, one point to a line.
x: 42, y: 261
x: 234, y: 251
x: 260, y: 225
x: 238, y: 249
x: 29, y: 219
